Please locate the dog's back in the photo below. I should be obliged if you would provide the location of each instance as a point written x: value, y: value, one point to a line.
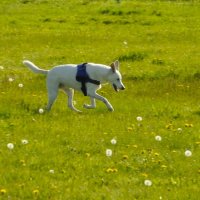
x: 65, y: 75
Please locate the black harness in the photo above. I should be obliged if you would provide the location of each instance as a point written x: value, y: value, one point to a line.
x: 83, y: 77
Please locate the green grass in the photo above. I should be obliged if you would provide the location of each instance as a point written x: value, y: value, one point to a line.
x: 157, y: 43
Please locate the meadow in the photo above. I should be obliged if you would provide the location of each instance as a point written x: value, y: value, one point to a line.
x: 61, y: 155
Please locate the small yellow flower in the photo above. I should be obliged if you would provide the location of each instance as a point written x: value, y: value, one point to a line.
x: 180, y: 85
x: 163, y: 166
x: 23, y: 163
x: 145, y: 175
x: 125, y: 157
x: 36, y: 192
x: 130, y: 128
x: 188, y: 125
x: 3, y: 191
x: 115, y: 170
x: 156, y: 154
x: 111, y: 170
x: 169, y: 126
x: 87, y: 155
x: 198, y: 143
x: 135, y: 146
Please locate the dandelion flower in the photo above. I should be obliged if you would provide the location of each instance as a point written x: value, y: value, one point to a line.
x: 24, y: 141
x: 188, y: 153
x: 179, y: 130
x: 3, y: 191
x: 10, y: 146
x: 1, y: 68
x: 115, y: 170
x: 113, y: 141
x: 108, y: 152
x: 169, y: 126
x: 148, y: 182
x: 41, y: 111
x: 20, y: 85
x: 135, y: 146
x: 158, y: 138
x: 109, y: 170
x: 87, y: 155
x: 130, y: 128
x: 10, y: 79
x: 198, y: 143
x: 145, y: 175
x: 51, y: 171
x: 139, y: 118
x: 23, y: 163
x: 188, y: 125
x: 125, y: 157
x: 35, y: 192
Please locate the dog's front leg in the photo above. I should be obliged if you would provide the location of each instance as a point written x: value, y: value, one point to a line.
x: 103, y: 99
x: 93, y: 104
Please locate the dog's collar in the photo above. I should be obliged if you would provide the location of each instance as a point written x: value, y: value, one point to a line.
x: 83, y: 77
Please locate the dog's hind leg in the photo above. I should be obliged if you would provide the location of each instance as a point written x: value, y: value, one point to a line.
x: 93, y: 104
x: 70, y: 94
x: 52, y: 94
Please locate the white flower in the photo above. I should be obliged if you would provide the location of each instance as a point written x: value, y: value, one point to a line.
x: 51, y: 171
x: 113, y: 141
x: 125, y: 42
x: 188, y: 153
x: 108, y: 152
x: 179, y: 130
x: 41, y: 111
x: 24, y: 141
x: 148, y: 182
x: 11, y: 79
x: 20, y: 85
x: 139, y: 119
x: 158, y: 138
x: 10, y: 146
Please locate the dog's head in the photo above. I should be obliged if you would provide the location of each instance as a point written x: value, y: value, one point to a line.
x: 115, y: 77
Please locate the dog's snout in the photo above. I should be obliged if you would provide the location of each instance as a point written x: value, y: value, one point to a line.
x: 123, y: 88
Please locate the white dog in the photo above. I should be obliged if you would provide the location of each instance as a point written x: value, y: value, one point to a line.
x: 86, y: 77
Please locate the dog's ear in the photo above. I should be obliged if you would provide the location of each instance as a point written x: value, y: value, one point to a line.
x: 116, y: 63
x: 113, y: 67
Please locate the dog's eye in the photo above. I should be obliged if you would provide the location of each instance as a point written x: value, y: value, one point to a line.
x: 118, y: 79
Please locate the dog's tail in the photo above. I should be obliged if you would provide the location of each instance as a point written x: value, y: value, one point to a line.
x: 34, y: 68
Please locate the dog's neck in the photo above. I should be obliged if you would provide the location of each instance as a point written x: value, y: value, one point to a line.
x: 98, y: 72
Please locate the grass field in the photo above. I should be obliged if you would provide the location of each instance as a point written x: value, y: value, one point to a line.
x: 62, y: 155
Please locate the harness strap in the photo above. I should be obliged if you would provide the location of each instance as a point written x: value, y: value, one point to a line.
x: 83, y: 77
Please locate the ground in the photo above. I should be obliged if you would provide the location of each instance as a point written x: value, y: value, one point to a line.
x: 61, y: 154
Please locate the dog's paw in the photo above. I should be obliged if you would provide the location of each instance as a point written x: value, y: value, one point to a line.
x: 88, y: 106
x: 111, y: 109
